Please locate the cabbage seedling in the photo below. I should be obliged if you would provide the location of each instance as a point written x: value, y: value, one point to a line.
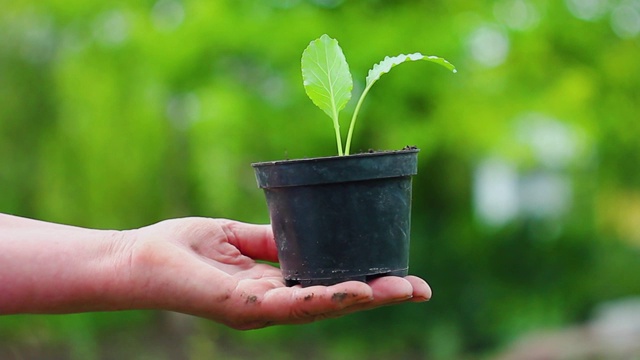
x: 328, y: 82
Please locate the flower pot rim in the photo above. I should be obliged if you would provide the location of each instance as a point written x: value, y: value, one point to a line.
x: 336, y: 169
x: 375, y: 153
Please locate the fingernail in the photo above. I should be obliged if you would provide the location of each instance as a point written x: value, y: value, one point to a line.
x: 405, y: 298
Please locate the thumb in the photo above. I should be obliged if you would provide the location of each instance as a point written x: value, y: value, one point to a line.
x: 254, y: 241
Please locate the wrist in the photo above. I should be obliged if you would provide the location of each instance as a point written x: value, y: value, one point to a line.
x: 113, y: 269
x: 93, y: 272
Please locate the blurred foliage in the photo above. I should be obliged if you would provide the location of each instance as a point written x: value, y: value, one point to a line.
x: 120, y: 114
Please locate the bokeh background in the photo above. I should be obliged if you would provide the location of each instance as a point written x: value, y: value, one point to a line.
x: 526, y: 212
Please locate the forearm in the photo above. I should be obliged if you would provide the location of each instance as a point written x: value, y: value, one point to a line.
x: 51, y: 268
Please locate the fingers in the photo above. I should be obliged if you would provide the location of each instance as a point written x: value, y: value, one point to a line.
x: 387, y: 290
x: 254, y: 241
x: 390, y: 290
x: 421, y: 290
x: 298, y: 305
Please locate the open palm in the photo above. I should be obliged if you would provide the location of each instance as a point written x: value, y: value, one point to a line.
x: 209, y: 268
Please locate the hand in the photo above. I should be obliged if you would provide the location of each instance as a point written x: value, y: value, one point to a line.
x: 207, y: 267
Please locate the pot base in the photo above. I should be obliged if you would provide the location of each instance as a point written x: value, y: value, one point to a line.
x: 336, y: 280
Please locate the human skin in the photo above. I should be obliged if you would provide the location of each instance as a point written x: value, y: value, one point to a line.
x: 199, y: 266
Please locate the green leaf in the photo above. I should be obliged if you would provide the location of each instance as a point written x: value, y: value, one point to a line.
x: 385, y: 65
x: 326, y: 75
x: 327, y: 80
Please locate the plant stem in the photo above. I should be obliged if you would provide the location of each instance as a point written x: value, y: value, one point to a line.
x: 347, y: 146
x: 336, y: 126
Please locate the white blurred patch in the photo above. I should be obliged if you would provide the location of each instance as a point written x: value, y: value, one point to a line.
x: 544, y: 195
x: 167, y: 15
x: 111, y: 28
x: 625, y: 19
x: 553, y: 143
x: 588, y: 10
x: 495, y: 192
x: 519, y: 15
x: 502, y: 191
x: 617, y: 326
x: 489, y: 46
x: 38, y: 44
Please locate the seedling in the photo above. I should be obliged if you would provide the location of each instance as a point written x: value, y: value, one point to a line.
x: 328, y: 82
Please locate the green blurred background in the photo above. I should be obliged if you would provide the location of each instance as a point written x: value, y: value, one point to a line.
x: 526, y: 212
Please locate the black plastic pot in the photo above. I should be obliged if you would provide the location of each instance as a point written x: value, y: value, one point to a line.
x: 340, y: 218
